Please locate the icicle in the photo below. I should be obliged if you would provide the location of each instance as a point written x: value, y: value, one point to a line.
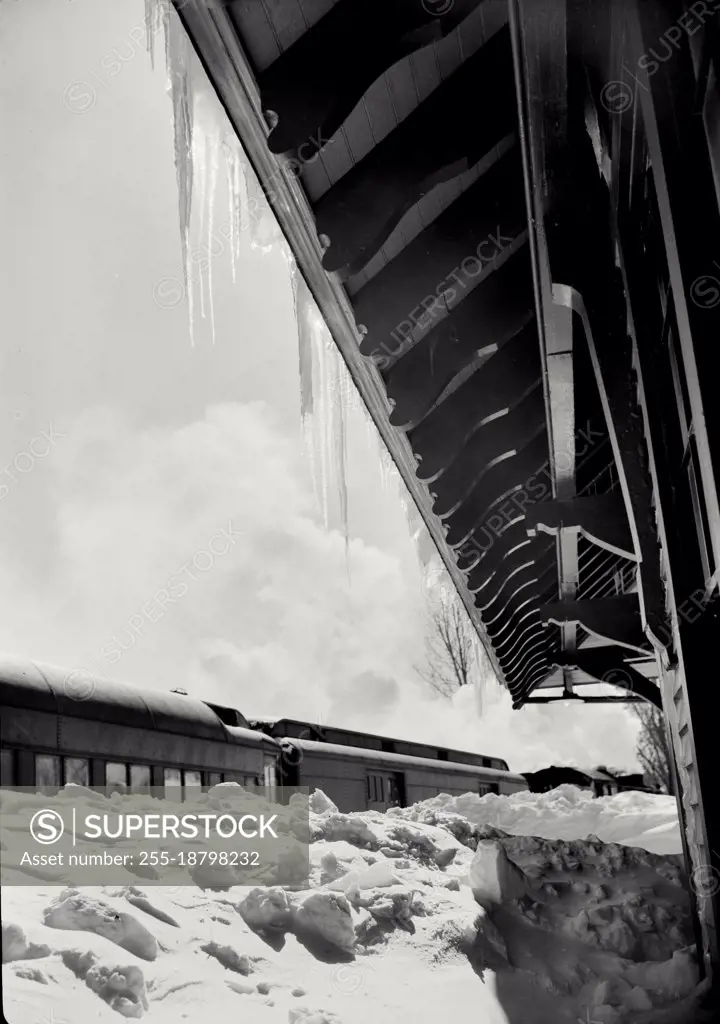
x: 237, y: 199
x: 325, y: 400
x: 200, y: 172
x: 303, y: 311
x: 206, y: 156
x: 213, y: 144
x: 154, y: 16
x: 178, y: 58
x: 341, y: 399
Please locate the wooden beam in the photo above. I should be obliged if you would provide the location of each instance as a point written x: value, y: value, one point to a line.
x: 456, y: 254
x: 491, y: 439
x: 573, y: 695
x: 606, y: 665
x: 690, y: 217
x: 500, y: 382
x: 596, y: 294
x: 601, y: 518
x: 313, y: 86
x: 359, y: 212
x: 615, y: 619
x: 540, y: 46
x: 510, y: 479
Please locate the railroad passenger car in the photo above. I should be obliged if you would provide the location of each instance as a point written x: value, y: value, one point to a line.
x: 58, y: 727
x: 358, y: 770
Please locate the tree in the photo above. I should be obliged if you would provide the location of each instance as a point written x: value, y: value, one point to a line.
x: 653, y: 750
x: 451, y: 646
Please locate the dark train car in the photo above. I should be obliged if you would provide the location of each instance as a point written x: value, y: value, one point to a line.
x: 360, y: 771
x: 291, y: 728
x: 546, y: 779
x: 601, y: 781
x: 58, y: 727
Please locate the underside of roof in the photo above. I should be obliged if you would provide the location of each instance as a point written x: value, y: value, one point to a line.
x: 438, y: 169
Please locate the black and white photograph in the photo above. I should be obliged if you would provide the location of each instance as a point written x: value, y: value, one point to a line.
x: 359, y: 511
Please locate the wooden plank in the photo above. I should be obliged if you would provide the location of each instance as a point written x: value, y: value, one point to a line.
x: 379, y: 109
x: 358, y: 133
x: 286, y: 18
x: 425, y: 73
x: 687, y: 198
x: 314, y: 10
x: 261, y: 41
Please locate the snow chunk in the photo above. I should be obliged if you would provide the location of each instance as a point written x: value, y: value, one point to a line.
x: 229, y: 958
x: 266, y: 910
x: 138, y: 899
x: 322, y: 804
x: 378, y: 875
x: 122, y: 987
x: 348, y: 827
x: 493, y: 876
x: 15, y: 945
x: 304, y: 1016
x: 326, y: 916
x: 76, y: 911
x: 673, y: 979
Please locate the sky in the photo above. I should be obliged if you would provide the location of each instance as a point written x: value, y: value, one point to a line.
x: 158, y: 521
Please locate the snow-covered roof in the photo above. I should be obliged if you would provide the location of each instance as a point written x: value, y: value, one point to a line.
x: 383, y: 758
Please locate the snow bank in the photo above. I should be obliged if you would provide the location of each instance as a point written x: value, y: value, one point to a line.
x: 405, y: 915
x: 634, y: 819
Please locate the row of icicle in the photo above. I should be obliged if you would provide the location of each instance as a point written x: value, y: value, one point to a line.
x: 328, y: 396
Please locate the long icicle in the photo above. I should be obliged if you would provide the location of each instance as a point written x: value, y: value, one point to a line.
x: 213, y: 145
x: 178, y: 60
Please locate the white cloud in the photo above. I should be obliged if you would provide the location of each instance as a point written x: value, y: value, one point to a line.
x: 272, y: 624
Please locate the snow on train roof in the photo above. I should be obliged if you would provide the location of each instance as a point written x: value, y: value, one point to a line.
x: 325, y: 728
x: 407, y: 760
x: 82, y: 695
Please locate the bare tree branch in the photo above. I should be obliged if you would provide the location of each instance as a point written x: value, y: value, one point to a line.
x: 450, y: 648
x: 653, y: 749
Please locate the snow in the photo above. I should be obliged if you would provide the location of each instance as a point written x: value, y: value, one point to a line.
x: 414, y: 914
x: 633, y: 819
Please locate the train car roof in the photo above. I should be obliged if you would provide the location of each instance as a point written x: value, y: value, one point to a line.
x: 382, y: 758
x: 274, y: 722
x: 78, y: 694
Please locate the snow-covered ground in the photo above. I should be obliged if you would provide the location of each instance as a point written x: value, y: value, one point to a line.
x: 422, y: 914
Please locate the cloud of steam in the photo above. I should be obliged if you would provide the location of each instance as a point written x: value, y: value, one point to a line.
x: 271, y: 625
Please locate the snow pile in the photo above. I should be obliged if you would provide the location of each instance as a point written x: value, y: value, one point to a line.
x: 633, y: 819
x: 401, y: 919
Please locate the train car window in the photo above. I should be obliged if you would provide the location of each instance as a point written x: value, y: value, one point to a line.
x: 393, y: 788
x: 7, y: 767
x: 77, y: 770
x: 172, y: 777
x: 214, y: 778
x: 139, y: 776
x: 47, y: 770
x: 192, y: 778
x: 376, y: 788
x: 116, y: 776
